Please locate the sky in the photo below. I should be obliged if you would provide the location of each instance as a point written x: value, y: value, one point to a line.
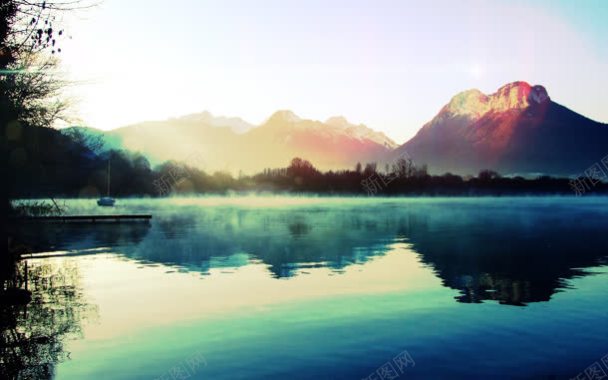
x: 390, y: 65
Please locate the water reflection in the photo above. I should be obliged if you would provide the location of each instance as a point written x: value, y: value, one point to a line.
x: 33, y: 336
x: 514, y: 259
x: 512, y: 251
x: 58, y: 236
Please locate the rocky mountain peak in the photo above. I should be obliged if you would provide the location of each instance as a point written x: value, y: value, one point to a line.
x: 513, y: 96
x: 284, y: 116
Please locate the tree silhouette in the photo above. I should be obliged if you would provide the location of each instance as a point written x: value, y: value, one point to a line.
x: 30, y: 90
x: 488, y: 175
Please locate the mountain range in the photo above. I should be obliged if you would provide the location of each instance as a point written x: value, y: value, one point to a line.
x: 233, y: 145
x: 518, y: 129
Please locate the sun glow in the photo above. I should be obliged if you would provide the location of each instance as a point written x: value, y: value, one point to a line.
x: 476, y: 71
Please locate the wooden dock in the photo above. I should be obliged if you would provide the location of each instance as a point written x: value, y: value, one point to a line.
x: 86, y: 218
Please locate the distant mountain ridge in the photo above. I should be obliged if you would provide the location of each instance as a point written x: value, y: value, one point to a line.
x: 232, y: 144
x: 237, y: 124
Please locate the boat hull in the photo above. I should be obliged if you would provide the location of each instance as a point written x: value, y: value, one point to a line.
x: 106, y: 202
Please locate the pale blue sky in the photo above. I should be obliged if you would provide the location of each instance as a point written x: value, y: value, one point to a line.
x: 389, y: 64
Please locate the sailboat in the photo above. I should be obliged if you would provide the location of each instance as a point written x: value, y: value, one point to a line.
x: 107, y: 200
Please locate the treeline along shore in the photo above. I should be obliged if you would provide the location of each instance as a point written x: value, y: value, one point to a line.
x: 44, y: 162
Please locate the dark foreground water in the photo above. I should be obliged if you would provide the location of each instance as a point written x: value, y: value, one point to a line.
x: 321, y: 288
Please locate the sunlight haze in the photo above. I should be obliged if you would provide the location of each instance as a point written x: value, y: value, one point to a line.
x: 388, y: 64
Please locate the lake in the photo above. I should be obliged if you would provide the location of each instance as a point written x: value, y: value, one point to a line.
x: 266, y: 287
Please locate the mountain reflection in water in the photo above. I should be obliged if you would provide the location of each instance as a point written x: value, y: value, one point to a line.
x: 513, y: 251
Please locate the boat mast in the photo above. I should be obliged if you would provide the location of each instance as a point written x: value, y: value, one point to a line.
x: 108, y: 177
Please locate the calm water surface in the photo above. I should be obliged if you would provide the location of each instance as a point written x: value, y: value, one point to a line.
x: 325, y: 288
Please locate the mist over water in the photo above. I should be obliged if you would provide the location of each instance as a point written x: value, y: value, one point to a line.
x: 322, y: 287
